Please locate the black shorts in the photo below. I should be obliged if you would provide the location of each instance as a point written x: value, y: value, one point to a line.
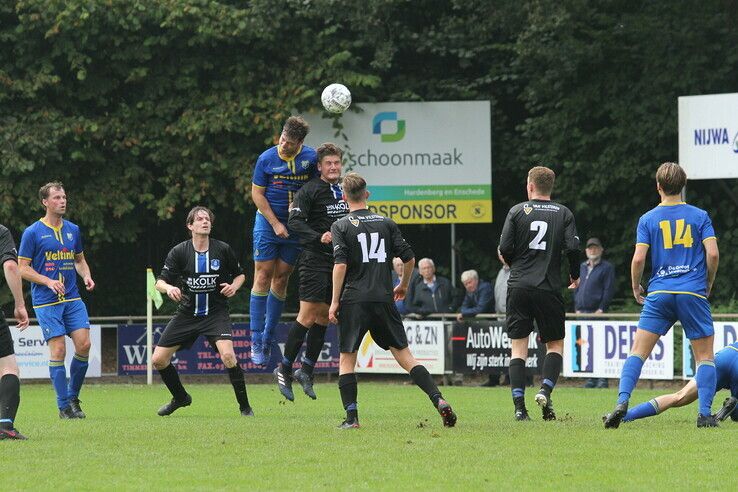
x: 315, y: 285
x: 184, y: 329
x: 6, y: 340
x: 526, y: 305
x: 380, y: 319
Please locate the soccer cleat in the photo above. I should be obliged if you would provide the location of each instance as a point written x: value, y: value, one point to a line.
x: 306, y: 382
x: 544, y: 401
x: 447, y: 413
x: 706, y: 421
x: 12, y: 434
x: 173, y: 405
x: 729, y: 406
x: 247, y: 412
x: 349, y: 424
x: 76, y: 409
x: 612, y: 420
x: 284, y: 381
x: 257, y: 353
x: 266, y: 349
x: 67, y: 413
x: 521, y: 413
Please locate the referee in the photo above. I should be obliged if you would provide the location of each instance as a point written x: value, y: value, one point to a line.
x: 200, y: 274
x: 317, y: 205
x: 533, y: 238
x: 364, y: 244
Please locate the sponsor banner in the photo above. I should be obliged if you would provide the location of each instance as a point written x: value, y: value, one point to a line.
x: 424, y: 162
x: 425, y: 340
x: 708, y: 136
x: 202, y: 359
x: 725, y: 334
x: 32, y: 353
x: 599, y: 349
x: 483, y: 346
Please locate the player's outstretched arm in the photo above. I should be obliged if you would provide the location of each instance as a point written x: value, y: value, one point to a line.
x: 31, y: 275
x: 13, y: 278
x: 170, y: 290
x: 712, y: 259
x: 83, y: 270
x: 636, y: 271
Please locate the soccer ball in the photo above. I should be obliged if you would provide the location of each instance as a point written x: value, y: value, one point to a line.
x: 336, y: 98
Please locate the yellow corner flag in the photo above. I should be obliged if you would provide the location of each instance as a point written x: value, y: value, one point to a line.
x: 151, y: 291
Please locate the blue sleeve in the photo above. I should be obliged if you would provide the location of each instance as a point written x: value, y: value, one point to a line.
x: 260, y: 178
x: 706, y: 229
x: 28, y: 244
x: 608, y: 287
x: 78, y: 247
x: 643, y: 235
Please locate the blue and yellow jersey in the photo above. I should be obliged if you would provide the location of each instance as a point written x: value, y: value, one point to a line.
x: 675, y: 234
x: 726, y: 365
x: 282, y: 177
x: 52, y: 252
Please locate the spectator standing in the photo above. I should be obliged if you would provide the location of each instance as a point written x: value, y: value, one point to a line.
x: 595, y: 291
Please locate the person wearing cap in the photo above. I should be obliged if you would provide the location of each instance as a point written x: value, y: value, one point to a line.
x: 595, y: 291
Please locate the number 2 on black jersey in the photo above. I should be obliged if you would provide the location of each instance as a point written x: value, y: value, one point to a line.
x: 374, y: 250
x: 540, y: 227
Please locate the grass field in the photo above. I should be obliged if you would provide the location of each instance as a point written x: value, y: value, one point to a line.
x: 124, y: 445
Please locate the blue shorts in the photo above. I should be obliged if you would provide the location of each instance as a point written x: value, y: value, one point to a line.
x: 269, y: 246
x: 661, y: 311
x: 62, y: 319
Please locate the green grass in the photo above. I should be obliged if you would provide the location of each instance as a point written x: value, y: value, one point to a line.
x: 124, y: 445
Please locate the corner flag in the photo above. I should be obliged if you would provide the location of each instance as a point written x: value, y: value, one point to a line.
x: 151, y: 291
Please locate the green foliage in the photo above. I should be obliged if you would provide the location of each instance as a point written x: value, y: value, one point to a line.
x: 145, y: 108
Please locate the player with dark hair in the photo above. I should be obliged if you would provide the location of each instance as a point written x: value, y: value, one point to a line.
x: 9, y: 382
x: 726, y: 372
x: 50, y: 257
x: 314, y: 209
x: 200, y: 274
x: 280, y: 171
x: 684, y: 263
x: 364, y: 244
x: 535, y: 234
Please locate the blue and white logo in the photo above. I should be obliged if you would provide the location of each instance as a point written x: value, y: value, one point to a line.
x: 69, y: 236
x: 735, y: 143
x: 215, y: 264
x: 715, y: 136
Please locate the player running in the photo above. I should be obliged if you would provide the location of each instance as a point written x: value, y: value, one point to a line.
x: 726, y: 370
x: 9, y: 382
x: 363, y: 296
x: 315, y: 208
x: 200, y: 274
x: 533, y: 238
x: 280, y: 171
x: 684, y: 262
x: 50, y: 257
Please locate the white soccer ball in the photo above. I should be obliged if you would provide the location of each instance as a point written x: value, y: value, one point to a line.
x: 336, y: 98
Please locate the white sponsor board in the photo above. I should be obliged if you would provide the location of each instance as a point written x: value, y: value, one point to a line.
x: 425, y: 340
x: 725, y: 334
x: 599, y: 349
x: 424, y: 162
x: 708, y: 136
x: 32, y: 353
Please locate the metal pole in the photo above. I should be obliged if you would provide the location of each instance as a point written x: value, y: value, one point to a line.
x: 453, y: 255
x: 149, y: 337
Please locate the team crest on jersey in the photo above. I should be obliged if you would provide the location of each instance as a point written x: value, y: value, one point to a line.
x: 527, y: 209
x: 215, y: 264
x: 69, y: 236
x: 354, y: 222
x: 305, y: 164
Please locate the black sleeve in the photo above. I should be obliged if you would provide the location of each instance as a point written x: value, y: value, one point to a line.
x: 400, y: 247
x: 234, y: 266
x: 7, y: 246
x: 571, y: 243
x: 507, y: 238
x: 172, y: 271
x: 340, y: 249
x: 299, y: 213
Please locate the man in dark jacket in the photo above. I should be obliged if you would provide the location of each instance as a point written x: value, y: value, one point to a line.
x: 429, y: 293
x: 595, y: 291
x: 479, y: 297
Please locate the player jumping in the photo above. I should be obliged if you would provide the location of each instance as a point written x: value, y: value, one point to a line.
x: 684, y: 262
